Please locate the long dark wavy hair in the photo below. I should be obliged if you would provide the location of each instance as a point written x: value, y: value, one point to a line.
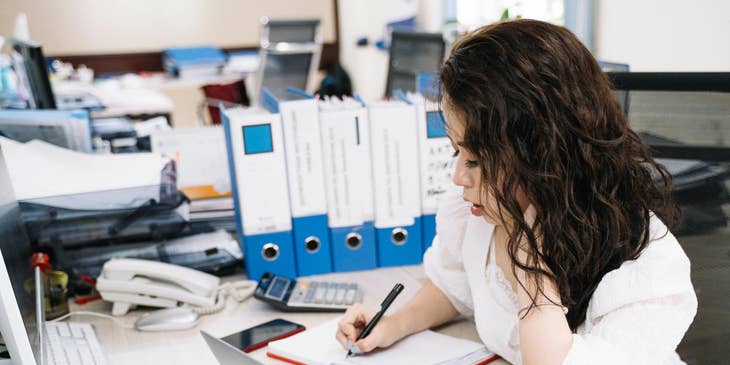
x: 540, y: 115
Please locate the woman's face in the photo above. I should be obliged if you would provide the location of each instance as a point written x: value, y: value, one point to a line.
x: 468, y: 174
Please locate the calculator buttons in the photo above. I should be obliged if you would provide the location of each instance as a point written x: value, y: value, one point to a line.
x: 331, y: 291
x: 320, y: 293
x: 341, y: 291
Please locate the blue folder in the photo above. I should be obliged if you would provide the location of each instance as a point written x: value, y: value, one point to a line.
x: 273, y: 250
x: 299, y: 115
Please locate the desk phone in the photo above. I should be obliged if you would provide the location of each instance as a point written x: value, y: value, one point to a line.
x: 291, y: 295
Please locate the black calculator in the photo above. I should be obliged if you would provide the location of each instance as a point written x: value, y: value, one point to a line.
x: 291, y: 295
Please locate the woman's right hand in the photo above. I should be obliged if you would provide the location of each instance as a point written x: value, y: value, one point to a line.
x: 384, y: 334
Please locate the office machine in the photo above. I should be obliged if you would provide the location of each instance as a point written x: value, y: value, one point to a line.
x: 291, y: 295
x: 29, y: 338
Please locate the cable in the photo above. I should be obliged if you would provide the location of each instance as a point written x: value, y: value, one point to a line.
x: 238, y: 290
x: 93, y: 314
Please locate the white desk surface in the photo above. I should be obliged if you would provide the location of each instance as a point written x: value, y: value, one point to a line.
x: 128, y: 346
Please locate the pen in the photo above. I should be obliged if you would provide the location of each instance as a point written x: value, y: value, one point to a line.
x: 383, y: 307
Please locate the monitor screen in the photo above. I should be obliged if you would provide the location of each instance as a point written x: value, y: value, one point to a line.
x: 35, y: 73
x: 16, y: 250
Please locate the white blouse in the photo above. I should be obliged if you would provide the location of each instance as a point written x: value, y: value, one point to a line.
x: 638, y: 313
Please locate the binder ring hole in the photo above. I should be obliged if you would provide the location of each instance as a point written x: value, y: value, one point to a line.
x: 270, y: 251
x: 353, y: 241
x: 399, y: 236
x: 312, y: 244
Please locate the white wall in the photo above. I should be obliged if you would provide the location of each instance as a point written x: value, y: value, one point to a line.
x: 664, y: 35
x: 73, y: 27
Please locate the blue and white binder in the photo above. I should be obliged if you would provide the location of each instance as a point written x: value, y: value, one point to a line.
x: 257, y: 164
x: 348, y: 181
x: 302, y: 141
x: 396, y: 182
x: 436, y: 162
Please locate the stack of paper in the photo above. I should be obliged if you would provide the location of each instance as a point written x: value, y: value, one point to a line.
x: 64, y: 128
x: 39, y: 169
x: 318, y: 346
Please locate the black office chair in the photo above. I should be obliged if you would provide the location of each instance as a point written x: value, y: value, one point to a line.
x: 685, y: 118
x: 412, y: 53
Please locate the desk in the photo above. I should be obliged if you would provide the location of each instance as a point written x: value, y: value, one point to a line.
x: 127, y: 346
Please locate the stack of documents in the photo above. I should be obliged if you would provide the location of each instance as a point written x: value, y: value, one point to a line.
x: 39, y: 169
x: 200, y: 159
x: 193, y: 62
x: 318, y: 346
x: 63, y: 128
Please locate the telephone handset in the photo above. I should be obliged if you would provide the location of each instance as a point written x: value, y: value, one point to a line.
x: 131, y: 282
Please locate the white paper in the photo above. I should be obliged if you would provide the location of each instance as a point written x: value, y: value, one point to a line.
x: 200, y: 154
x: 318, y: 346
x: 39, y: 169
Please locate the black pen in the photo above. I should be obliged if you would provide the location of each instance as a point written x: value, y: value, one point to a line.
x: 383, y: 307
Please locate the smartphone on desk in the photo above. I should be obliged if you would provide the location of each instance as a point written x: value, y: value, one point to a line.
x: 259, y: 336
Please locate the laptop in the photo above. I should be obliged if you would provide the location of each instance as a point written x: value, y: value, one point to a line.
x: 29, y: 339
x: 227, y: 354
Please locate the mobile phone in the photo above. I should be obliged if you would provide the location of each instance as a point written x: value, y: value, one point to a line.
x: 259, y: 336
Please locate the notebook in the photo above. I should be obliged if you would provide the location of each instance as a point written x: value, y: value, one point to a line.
x: 317, y: 346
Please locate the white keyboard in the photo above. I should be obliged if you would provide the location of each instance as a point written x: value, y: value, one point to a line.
x: 72, y: 343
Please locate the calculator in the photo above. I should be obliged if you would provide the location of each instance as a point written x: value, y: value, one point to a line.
x: 291, y: 295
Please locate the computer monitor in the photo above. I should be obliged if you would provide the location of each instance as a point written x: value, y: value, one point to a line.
x: 35, y: 73
x: 19, y: 313
x: 412, y: 53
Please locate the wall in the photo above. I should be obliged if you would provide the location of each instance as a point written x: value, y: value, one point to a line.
x: 664, y: 35
x: 77, y: 27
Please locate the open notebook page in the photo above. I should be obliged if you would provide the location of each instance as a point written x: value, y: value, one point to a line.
x: 318, y: 346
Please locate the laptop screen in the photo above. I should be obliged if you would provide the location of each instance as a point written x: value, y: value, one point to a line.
x: 16, y: 250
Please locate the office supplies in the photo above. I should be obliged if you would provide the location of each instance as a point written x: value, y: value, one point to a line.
x: 148, y: 212
x: 200, y: 159
x: 257, y: 166
x: 227, y: 354
x: 168, y: 319
x: 349, y: 183
x: 397, y: 289
x: 291, y: 295
x: 302, y: 146
x: 191, y: 62
x: 436, y: 162
x: 260, y: 335
x: 30, y: 65
x: 318, y: 346
x: 118, y: 133
x: 396, y: 182
x: 289, y: 54
x: 411, y: 53
x: 69, y: 129
x: 29, y: 338
x: 33, y: 164
x: 213, y: 252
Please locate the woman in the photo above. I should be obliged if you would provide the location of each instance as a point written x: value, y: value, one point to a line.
x: 557, y: 246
